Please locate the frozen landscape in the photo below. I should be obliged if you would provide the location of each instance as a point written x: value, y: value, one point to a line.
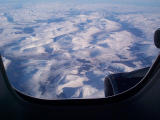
x: 61, y: 50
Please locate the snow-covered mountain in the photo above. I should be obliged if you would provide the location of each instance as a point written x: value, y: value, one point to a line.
x: 53, y: 50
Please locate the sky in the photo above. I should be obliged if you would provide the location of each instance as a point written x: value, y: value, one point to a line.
x: 131, y: 2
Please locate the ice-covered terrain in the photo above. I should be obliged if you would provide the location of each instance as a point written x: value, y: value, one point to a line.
x: 53, y: 50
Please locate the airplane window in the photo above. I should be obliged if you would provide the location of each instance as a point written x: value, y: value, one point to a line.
x: 65, y: 49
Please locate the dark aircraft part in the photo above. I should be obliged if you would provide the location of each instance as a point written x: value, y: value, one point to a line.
x: 120, y: 82
x: 157, y: 38
x: 140, y: 102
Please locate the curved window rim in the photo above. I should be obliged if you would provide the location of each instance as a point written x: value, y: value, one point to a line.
x: 79, y: 101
